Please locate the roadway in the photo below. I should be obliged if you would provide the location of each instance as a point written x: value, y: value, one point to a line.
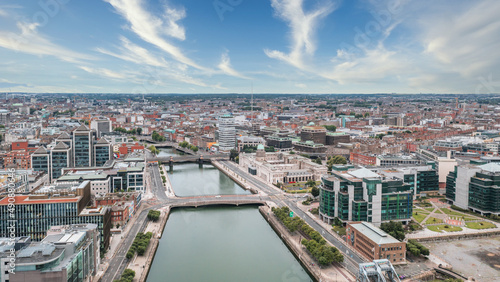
x: 351, y: 259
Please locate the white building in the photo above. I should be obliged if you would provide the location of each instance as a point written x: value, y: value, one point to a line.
x: 227, y: 133
x: 281, y: 167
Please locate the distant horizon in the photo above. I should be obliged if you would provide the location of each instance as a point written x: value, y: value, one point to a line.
x: 270, y: 46
x: 140, y: 94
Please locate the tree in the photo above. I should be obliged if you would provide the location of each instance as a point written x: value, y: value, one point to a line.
x: 139, y: 131
x: 233, y: 154
x: 184, y: 144
x: 335, y: 160
x: 395, y: 229
x: 366, y: 115
x: 318, y: 161
x: 153, y: 150
x: 311, y: 183
x: 331, y: 128
x: 315, y: 191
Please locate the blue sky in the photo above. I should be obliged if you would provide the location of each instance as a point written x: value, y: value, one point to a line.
x: 226, y: 46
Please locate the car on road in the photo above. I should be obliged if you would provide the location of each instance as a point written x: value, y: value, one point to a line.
x: 218, y: 196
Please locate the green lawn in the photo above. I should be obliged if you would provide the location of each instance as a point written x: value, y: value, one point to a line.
x: 419, y: 216
x: 479, y: 225
x: 429, y: 209
x: 440, y: 228
x: 340, y: 230
x: 433, y: 220
x: 450, y: 212
x: 438, y: 211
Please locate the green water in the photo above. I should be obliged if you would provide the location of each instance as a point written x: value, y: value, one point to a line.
x: 222, y: 244
x: 191, y: 180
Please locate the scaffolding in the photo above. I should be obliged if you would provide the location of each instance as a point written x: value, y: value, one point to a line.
x: 377, y: 271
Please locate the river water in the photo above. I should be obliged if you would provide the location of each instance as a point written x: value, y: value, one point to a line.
x: 219, y: 243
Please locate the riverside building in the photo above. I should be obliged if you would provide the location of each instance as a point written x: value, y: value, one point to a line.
x: 363, y: 195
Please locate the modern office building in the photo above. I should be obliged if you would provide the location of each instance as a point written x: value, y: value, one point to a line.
x: 40, y: 160
x: 66, y: 139
x: 373, y: 243
x: 100, y: 126
x: 424, y: 178
x: 54, y: 205
x: 67, y: 253
x: 102, y: 152
x: 334, y: 138
x: 316, y: 134
x: 82, y: 146
x: 310, y: 148
x: 363, y: 195
x: 475, y: 187
x: 60, y: 157
x: 227, y: 133
x: 279, y: 143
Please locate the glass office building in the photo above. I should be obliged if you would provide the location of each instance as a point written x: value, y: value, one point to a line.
x: 60, y: 158
x: 40, y: 160
x: 102, y: 152
x: 363, y: 195
x: 82, y: 146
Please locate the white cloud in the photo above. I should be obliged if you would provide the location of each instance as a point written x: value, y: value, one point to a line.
x: 103, y: 72
x: 151, y: 28
x: 225, y: 67
x: 135, y: 54
x: 29, y: 41
x: 302, y: 28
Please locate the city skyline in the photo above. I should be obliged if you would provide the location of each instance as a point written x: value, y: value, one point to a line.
x: 299, y: 46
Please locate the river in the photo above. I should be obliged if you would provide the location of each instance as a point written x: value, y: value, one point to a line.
x: 219, y: 243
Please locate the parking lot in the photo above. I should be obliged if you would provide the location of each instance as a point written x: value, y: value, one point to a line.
x: 479, y: 258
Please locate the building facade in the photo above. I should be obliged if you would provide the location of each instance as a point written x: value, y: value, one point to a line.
x: 374, y: 244
x: 82, y: 147
x: 475, y: 187
x: 363, y: 195
x: 227, y: 133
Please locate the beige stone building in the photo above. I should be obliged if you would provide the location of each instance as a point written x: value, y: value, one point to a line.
x: 280, y: 166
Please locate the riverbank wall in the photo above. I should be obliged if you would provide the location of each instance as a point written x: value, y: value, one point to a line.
x: 285, y: 236
x: 147, y: 260
x: 233, y: 176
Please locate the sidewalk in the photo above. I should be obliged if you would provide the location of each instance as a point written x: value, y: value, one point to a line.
x: 330, y: 273
x: 141, y: 264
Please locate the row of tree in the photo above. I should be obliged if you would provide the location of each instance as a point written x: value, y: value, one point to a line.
x: 157, y: 137
x: 133, y: 131
x: 416, y: 248
x: 315, y: 244
x: 127, y: 276
x: 139, y: 245
x: 153, y: 215
x: 185, y: 144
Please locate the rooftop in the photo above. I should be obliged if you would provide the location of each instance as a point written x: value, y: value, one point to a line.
x: 377, y: 235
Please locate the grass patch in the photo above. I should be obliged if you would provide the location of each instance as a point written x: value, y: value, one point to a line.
x: 429, y: 209
x: 419, y: 216
x: 479, y: 225
x: 433, y: 220
x: 445, y: 227
x: 438, y: 211
x: 339, y: 230
x: 298, y: 191
x: 450, y: 212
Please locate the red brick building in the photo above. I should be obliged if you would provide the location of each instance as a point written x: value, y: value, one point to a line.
x: 362, y: 159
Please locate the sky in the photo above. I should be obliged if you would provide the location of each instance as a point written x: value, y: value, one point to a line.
x: 240, y: 46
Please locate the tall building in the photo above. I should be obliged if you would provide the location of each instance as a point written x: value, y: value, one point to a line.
x: 53, y: 205
x: 66, y: 139
x: 40, y: 160
x: 82, y: 146
x: 474, y: 187
x: 101, y: 126
x: 60, y: 157
x: 227, y: 133
x: 102, y: 152
x: 4, y: 117
x: 363, y: 195
x: 67, y: 253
